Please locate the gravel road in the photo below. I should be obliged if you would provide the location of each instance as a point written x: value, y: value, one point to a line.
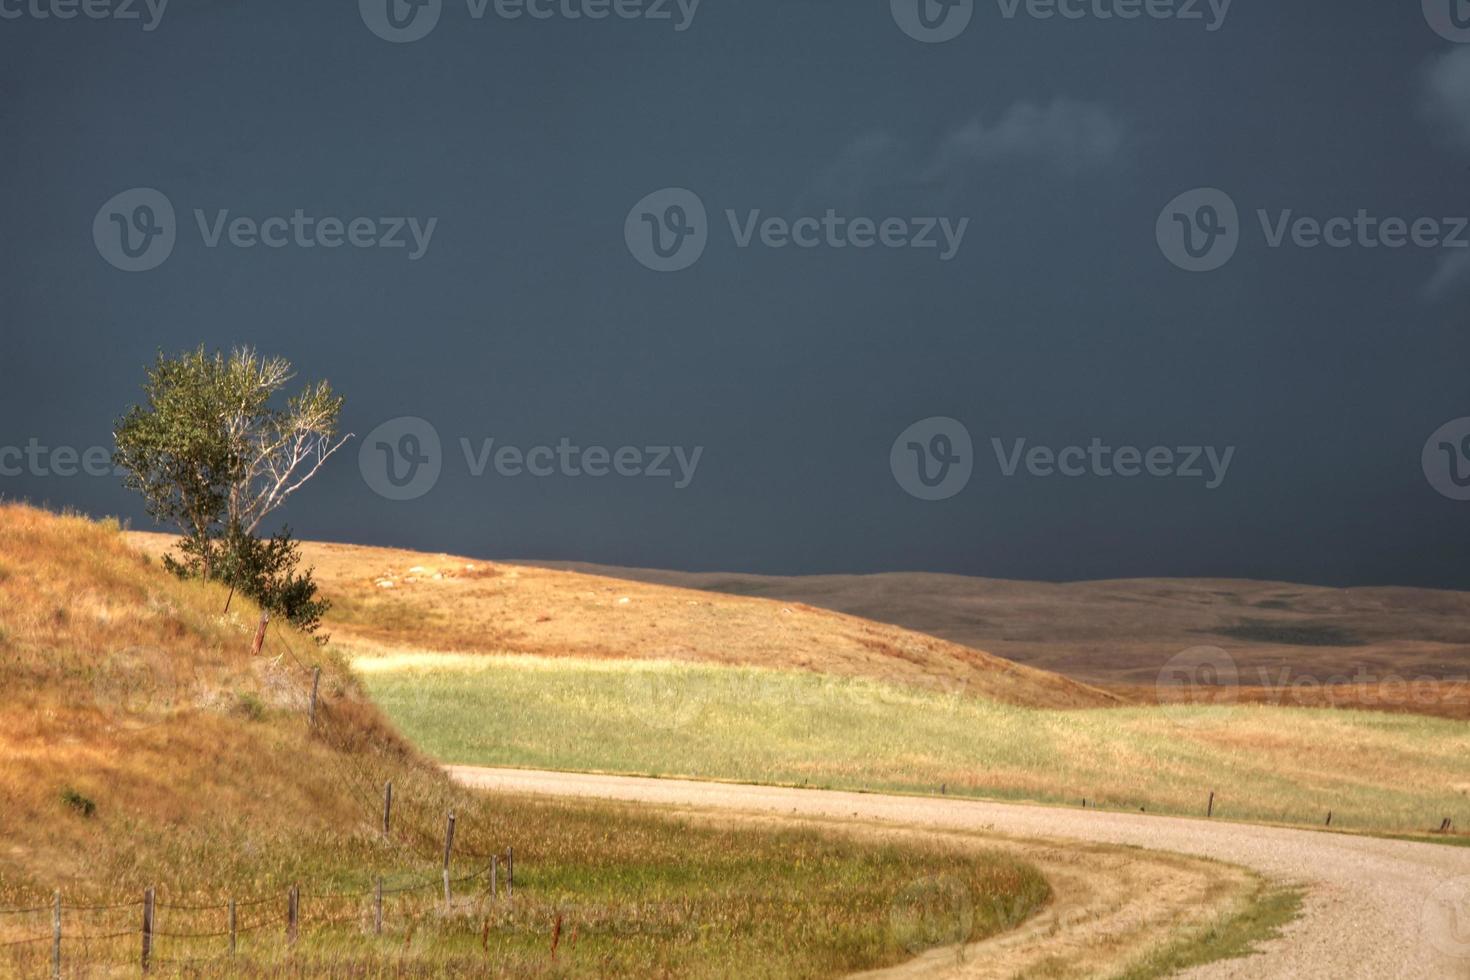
x: 1374, y: 908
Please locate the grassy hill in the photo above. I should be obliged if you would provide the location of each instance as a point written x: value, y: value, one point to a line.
x: 396, y: 599
x: 494, y: 664
x: 145, y: 746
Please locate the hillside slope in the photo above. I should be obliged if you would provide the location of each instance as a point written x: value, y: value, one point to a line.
x: 143, y: 745
x: 404, y: 599
x: 136, y: 692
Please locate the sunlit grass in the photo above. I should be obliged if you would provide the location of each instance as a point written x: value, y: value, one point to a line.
x: 141, y: 745
x: 1373, y: 771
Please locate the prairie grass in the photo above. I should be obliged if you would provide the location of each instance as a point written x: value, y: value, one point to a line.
x: 392, y: 598
x: 1376, y: 772
x: 1258, y: 918
x: 143, y: 746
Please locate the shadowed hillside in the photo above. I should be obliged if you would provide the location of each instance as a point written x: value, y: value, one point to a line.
x: 1391, y: 648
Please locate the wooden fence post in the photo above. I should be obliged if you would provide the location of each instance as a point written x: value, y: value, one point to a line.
x: 1211, y: 811
x: 448, y: 839
x: 56, y: 935
x: 387, y: 806
x: 293, y: 912
x: 316, y: 682
x: 233, y: 930
x: 378, y: 908
x: 147, y: 930
x: 445, y: 872
x: 1329, y: 818
x: 265, y: 618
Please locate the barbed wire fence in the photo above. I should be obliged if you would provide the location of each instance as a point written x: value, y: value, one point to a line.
x: 83, y: 927
x: 162, y: 929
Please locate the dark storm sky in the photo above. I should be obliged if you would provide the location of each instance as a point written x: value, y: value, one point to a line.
x: 528, y: 320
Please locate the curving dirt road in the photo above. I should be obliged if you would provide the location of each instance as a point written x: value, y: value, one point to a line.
x: 1374, y: 908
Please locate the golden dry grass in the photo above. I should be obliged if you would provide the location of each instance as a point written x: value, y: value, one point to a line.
x: 131, y: 690
x: 438, y: 602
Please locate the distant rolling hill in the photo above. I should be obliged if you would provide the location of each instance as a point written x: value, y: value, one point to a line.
x: 1290, y: 639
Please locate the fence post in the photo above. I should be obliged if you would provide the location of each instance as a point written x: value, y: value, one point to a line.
x: 1329, y: 818
x: 448, y: 839
x: 147, y: 930
x: 293, y: 910
x: 1211, y: 811
x: 510, y: 872
x: 494, y: 873
x: 316, y: 681
x: 56, y: 935
x: 378, y: 908
x: 387, y: 806
x: 265, y: 618
x: 445, y: 872
x: 233, y: 930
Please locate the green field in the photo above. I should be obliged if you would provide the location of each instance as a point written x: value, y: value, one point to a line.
x: 1376, y: 772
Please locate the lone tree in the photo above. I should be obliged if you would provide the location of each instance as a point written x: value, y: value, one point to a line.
x: 213, y: 455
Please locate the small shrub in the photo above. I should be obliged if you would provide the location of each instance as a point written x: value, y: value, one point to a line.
x: 249, y: 707
x: 81, y: 804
